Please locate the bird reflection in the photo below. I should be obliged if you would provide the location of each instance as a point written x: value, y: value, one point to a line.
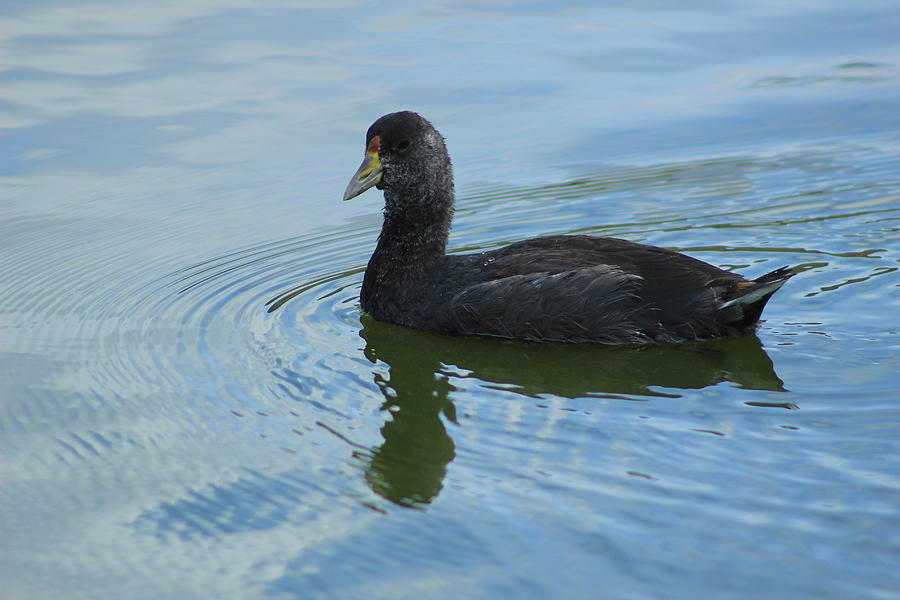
x: 409, y: 467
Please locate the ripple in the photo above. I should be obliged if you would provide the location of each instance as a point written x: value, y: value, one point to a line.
x: 266, y: 339
x: 289, y: 307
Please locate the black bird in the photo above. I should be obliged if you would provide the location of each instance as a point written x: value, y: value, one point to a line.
x: 567, y: 288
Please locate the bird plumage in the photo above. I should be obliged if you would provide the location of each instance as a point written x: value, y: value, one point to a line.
x: 570, y: 288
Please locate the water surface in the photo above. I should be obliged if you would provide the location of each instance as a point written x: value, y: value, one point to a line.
x: 194, y: 406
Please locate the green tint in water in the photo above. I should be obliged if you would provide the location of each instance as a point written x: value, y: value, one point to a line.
x: 409, y: 467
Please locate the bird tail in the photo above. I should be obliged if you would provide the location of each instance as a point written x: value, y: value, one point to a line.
x: 751, y: 298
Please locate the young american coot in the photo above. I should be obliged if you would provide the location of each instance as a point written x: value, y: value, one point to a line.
x: 568, y: 288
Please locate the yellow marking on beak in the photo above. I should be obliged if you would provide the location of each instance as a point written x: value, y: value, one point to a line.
x: 368, y: 173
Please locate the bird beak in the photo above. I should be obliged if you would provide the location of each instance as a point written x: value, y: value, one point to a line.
x: 369, y: 172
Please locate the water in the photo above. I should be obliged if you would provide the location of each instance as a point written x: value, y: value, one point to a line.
x: 193, y: 405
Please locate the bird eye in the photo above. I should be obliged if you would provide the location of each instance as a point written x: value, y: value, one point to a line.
x: 402, y: 146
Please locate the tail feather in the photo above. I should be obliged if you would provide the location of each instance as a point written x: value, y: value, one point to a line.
x: 751, y: 298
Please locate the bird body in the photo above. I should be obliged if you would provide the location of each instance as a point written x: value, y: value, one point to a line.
x: 568, y: 288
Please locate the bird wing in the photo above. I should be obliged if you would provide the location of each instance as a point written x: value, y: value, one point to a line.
x: 594, y: 303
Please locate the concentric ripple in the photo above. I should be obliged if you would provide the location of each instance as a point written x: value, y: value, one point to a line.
x: 245, y: 393
x: 289, y: 307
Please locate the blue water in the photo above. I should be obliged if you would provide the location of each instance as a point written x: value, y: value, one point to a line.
x: 193, y: 406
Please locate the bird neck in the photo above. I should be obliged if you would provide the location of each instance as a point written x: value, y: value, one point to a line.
x: 412, y: 243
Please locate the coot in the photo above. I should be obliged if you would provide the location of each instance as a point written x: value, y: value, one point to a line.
x: 567, y: 288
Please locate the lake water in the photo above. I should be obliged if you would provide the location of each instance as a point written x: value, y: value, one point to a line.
x: 193, y: 405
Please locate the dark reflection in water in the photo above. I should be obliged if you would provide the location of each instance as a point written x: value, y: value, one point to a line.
x: 409, y: 467
x: 569, y: 370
